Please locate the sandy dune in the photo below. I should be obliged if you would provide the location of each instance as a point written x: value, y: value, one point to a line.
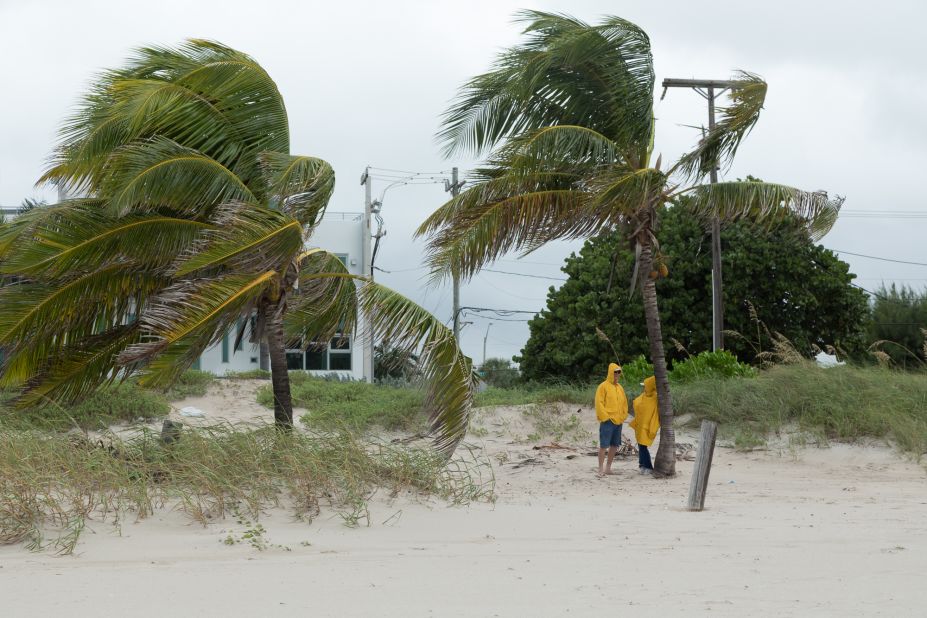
x: 788, y: 532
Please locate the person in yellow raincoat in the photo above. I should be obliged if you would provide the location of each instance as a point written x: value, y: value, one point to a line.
x: 646, y: 423
x: 611, y: 409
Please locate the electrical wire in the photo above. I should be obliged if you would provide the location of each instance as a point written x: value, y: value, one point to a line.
x: 882, y: 259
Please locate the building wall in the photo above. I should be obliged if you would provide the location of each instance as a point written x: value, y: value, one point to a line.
x: 339, y: 233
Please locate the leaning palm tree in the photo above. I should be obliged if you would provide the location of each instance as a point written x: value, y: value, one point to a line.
x: 568, y: 119
x: 196, y: 221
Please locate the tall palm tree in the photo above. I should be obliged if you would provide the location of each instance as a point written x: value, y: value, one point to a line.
x: 197, y: 218
x: 568, y: 118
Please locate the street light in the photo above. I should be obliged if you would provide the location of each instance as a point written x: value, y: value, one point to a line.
x: 484, y: 341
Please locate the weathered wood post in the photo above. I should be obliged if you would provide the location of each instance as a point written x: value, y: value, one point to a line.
x: 706, y: 450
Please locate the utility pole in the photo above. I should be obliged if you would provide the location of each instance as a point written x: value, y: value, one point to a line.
x: 367, y: 269
x: 454, y: 188
x: 709, y: 89
x: 484, y: 342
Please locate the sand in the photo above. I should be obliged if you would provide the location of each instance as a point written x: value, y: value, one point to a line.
x: 803, y: 531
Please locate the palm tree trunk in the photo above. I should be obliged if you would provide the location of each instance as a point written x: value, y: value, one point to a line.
x: 665, y: 461
x: 280, y: 378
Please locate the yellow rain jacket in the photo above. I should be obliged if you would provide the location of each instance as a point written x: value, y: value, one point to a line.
x: 611, y: 403
x: 646, y: 421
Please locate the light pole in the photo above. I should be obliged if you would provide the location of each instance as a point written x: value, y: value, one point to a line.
x: 484, y: 341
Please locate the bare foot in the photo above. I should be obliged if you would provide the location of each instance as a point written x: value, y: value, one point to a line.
x: 610, y: 473
x: 599, y: 474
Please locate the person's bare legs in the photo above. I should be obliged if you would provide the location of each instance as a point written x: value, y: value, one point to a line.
x: 611, y: 455
x: 602, y: 452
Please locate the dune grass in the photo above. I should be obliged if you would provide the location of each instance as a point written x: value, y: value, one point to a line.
x: 352, y: 405
x: 840, y: 403
x: 51, y: 484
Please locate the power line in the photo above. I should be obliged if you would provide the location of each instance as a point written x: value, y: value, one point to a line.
x: 506, y: 272
x: 882, y: 259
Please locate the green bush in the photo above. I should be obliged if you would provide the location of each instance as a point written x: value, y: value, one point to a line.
x: 720, y: 364
x: 192, y: 383
x: 634, y: 372
x: 119, y: 403
x: 354, y: 405
x: 500, y: 373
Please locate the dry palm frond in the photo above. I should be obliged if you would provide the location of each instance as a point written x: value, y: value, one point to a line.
x: 603, y: 337
x: 679, y: 347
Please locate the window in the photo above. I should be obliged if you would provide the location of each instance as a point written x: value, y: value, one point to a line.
x: 339, y: 355
x: 225, y: 348
x: 240, y: 330
x: 316, y: 358
x: 294, y: 360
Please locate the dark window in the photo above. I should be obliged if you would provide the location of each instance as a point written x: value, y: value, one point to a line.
x: 317, y: 359
x: 294, y: 360
x: 339, y: 361
x: 225, y: 348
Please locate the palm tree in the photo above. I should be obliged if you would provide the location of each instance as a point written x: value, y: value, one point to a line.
x: 568, y: 118
x: 197, y: 218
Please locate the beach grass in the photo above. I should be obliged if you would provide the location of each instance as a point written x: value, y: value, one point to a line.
x: 841, y: 403
x: 52, y: 484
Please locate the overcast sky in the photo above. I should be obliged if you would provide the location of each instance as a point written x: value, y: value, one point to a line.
x: 365, y: 84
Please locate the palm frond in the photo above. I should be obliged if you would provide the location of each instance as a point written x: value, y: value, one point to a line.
x: 189, y: 316
x: 80, y: 237
x: 79, y: 368
x: 762, y: 202
x: 567, y: 72
x: 37, y: 313
x: 202, y: 95
x: 718, y: 147
x: 159, y: 173
x: 245, y: 237
x: 410, y: 329
x: 522, y: 222
x: 326, y: 300
x: 301, y: 186
x: 498, y: 184
x: 447, y: 373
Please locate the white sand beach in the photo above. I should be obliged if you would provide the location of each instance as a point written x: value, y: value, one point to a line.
x: 837, y: 531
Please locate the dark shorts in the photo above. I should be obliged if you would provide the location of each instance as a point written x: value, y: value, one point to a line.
x: 609, y: 434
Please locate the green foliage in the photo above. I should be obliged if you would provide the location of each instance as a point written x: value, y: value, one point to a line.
x: 251, y: 374
x: 799, y: 289
x: 213, y: 472
x: 899, y: 316
x: 500, y: 373
x: 392, y: 363
x: 721, y: 364
x: 192, y: 383
x: 533, y: 392
x: 634, y: 372
x: 118, y: 403
x: 357, y: 406
x: 842, y: 403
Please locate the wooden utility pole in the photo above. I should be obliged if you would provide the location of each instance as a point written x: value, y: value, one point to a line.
x: 454, y: 188
x: 709, y: 89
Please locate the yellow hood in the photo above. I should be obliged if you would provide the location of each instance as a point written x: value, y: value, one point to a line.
x: 646, y: 422
x: 612, y: 368
x: 611, y: 402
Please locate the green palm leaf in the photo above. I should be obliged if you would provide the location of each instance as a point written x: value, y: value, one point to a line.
x: 81, y: 237
x: 719, y: 146
x: 762, y: 202
x: 301, y: 186
x: 159, y: 173
x: 246, y: 238
x: 326, y: 300
x: 600, y: 77
x: 189, y: 316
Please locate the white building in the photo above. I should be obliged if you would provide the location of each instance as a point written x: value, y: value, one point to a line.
x: 342, y: 234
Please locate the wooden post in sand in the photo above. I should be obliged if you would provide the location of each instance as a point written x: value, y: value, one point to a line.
x: 706, y: 450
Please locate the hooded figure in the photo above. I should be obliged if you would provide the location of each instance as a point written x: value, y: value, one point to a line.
x: 646, y: 423
x: 611, y: 408
x: 611, y: 403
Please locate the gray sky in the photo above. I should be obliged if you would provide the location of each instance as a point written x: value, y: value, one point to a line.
x: 365, y: 84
